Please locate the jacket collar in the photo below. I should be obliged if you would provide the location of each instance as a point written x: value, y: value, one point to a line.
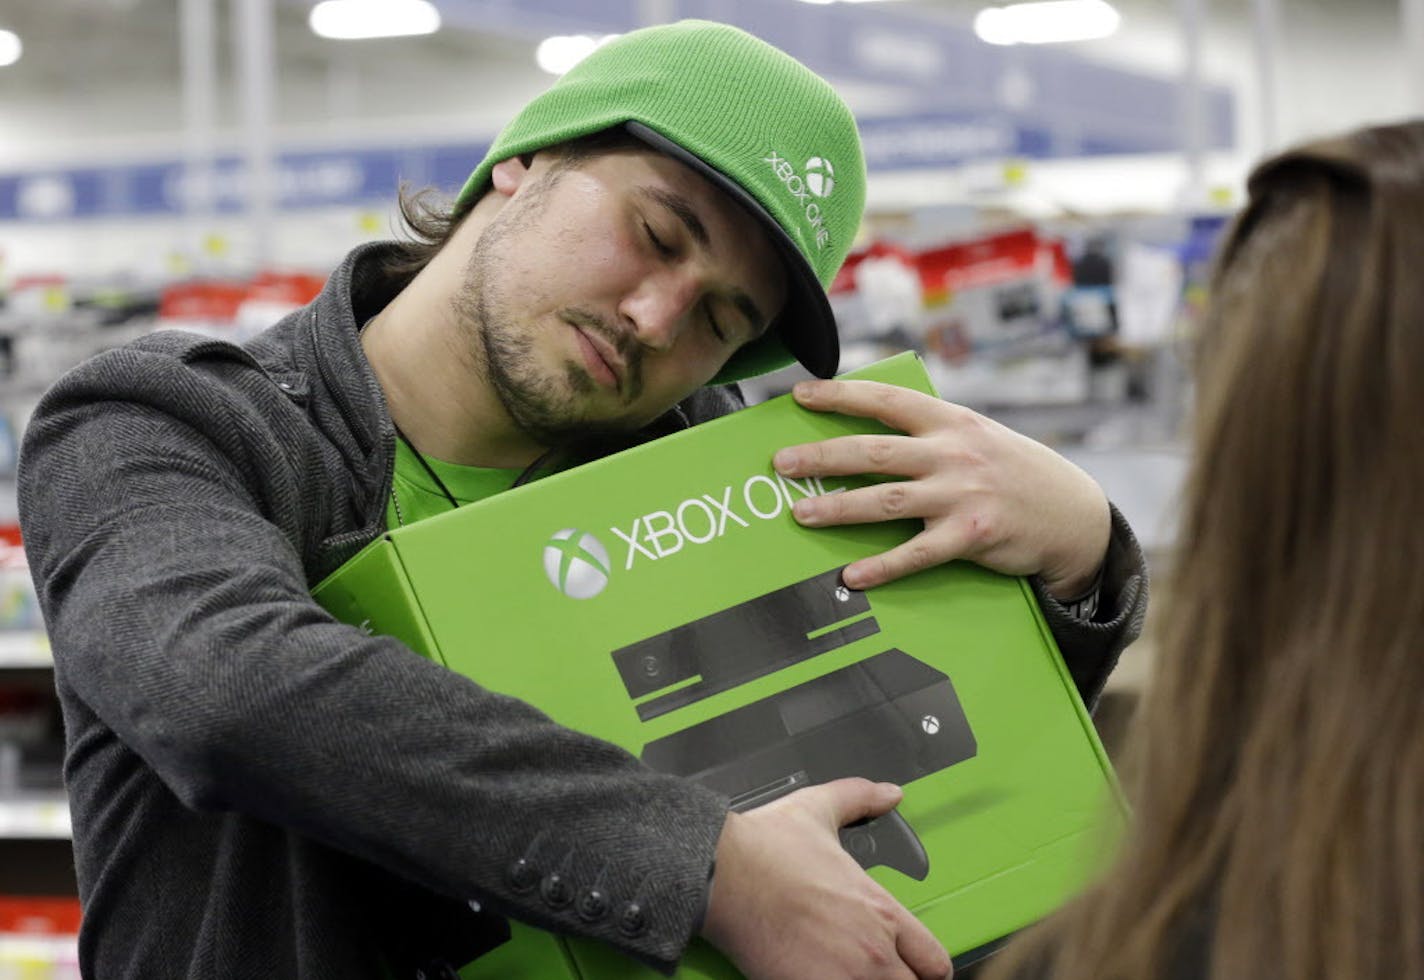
x: 353, y: 294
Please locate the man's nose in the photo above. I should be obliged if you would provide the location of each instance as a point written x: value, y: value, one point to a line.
x: 660, y: 308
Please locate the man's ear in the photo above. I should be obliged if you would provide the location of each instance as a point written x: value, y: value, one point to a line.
x: 507, y: 175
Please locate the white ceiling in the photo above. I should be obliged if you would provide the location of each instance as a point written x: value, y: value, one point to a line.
x: 109, y: 68
x: 100, y: 82
x: 73, y: 47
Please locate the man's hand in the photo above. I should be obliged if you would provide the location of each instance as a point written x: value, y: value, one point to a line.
x: 984, y: 492
x: 789, y: 903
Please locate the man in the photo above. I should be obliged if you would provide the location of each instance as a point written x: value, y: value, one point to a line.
x: 260, y: 791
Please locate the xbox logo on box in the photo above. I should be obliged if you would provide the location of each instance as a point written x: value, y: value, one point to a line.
x: 820, y: 176
x: 577, y: 563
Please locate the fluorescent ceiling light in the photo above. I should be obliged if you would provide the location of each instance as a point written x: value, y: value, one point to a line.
x: 1052, y: 22
x: 10, y: 48
x: 558, y: 54
x: 353, y: 20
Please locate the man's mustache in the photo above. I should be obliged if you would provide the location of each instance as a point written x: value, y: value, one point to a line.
x: 621, y: 341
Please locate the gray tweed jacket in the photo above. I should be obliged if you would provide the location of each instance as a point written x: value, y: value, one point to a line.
x: 260, y: 791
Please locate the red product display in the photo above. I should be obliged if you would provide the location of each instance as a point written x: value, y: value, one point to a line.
x: 991, y: 292
x: 991, y: 261
x: 204, y: 301
x: 219, y: 301
x: 39, y: 916
x: 845, y: 281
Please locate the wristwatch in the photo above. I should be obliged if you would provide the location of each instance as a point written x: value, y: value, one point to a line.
x: 1085, y: 607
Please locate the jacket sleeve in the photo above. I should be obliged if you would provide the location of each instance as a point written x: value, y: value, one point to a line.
x: 179, y: 612
x: 1091, y: 649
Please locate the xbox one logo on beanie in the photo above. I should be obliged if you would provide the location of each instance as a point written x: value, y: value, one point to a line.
x: 577, y: 563
x: 820, y: 176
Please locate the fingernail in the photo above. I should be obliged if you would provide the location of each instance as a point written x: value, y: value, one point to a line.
x: 786, y: 461
x: 852, y: 576
x: 806, y: 510
x: 804, y: 389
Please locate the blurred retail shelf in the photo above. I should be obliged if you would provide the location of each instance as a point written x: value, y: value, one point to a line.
x: 35, y: 818
x: 39, y: 957
x: 22, y: 649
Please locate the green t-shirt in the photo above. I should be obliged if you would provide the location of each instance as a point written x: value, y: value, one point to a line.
x: 418, y: 496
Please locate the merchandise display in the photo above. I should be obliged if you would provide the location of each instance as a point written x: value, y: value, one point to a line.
x: 664, y: 599
x: 1061, y: 321
x: 39, y: 914
x: 1015, y: 208
x: 51, y: 323
x: 37, y: 938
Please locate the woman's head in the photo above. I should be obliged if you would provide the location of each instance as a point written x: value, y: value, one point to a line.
x: 1279, y: 752
x: 1309, y: 404
x: 1301, y: 526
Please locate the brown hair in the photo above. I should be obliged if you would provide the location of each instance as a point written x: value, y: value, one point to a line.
x: 428, y: 218
x: 1279, y: 753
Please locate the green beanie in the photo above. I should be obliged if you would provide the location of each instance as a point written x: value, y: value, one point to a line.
x: 759, y: 124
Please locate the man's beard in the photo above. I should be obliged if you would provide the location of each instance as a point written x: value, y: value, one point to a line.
x: 544, y: 406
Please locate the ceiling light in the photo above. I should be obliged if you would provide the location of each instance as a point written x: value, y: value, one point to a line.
x: 558, y: 54
x: 352, y: 20
x: 1052, y: 22
x: 10, y: 48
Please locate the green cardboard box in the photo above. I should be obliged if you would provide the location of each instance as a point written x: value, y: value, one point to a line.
x: 664, y: 599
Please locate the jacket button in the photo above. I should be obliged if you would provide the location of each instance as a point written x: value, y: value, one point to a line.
x: 632, y: 922
x: 521, y: 875
x: 556, y: 891
x: 592, y: 905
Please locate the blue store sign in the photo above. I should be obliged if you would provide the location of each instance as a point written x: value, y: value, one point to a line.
x: 303, y: 180
x: 959, y: 100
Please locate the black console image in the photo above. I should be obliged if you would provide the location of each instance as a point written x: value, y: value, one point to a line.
x: 730, y: 647
x: 888, y: 718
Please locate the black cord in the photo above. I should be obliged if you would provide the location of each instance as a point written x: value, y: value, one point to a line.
x: 533, y: 468
x: 527, y: 474
x: 454, y: 504
x: 676, y: 420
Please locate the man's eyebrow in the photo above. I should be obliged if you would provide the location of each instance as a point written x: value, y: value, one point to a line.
x: 683, y: 210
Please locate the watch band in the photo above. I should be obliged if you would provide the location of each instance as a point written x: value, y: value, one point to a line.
x: 1084, y: 607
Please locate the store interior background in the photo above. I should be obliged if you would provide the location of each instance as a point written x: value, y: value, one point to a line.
x: 1039, y: 219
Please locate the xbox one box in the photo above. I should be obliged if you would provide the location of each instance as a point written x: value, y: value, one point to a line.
x: 666, y: 600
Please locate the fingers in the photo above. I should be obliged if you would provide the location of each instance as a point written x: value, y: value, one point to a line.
x: 789, y: 902
x: 910, y: 411
x: 921, y: 951
x: 886, y: 455
x: 984, y: 492
x: 920, y: 552
x: 946, y: 536
x: 882, y: 502
x: 851, y: 799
